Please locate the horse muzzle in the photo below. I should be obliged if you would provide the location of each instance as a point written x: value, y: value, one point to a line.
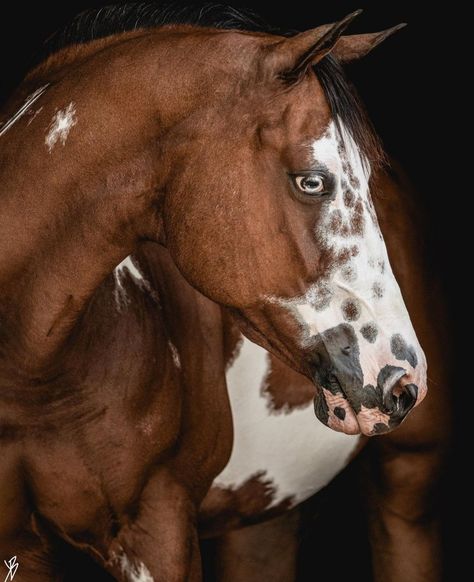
x: 344, y: 403
x: 376, y: 411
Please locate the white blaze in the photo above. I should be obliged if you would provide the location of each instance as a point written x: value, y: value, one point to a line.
x: 361, y: 290
x: 61, y: 124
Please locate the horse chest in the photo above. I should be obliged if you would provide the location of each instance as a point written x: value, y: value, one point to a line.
x: 291, y: 453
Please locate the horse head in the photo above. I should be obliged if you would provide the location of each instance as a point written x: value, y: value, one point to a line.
x: 267, y: 211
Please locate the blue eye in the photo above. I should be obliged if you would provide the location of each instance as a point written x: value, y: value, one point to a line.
x: 310, y: 184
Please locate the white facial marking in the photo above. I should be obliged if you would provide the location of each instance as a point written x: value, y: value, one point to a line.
x: 135, y: 572
x: 174, y: 354
x: 298, y: 454
x: 126, y: 267
x: 61, y: 124
x: 359, y: 287
x: 23, y: 109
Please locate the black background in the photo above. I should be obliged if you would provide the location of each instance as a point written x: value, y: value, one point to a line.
x: 411, y: 89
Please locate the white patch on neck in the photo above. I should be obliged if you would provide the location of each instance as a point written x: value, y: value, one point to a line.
x: 126, y: 267
x: 23, y: 109
x: 134, y: 572
x: 298, y: 453
x: 174, y: 354
x: 61, y: 124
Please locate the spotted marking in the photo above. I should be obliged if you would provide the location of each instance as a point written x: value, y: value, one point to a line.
x: 61, y: 124
x: 335, y: 221
x: 23, y: 109
x: 368, y: 418
x: 348, y: 198
x: 340, y: 412
x: 369, y: 332
x: 377, y: 264
x: 350, y: 309
x: 336, y: 403
x: 377, y: 290
x: 358, y: 285
x: 402, y: 351
x: 349, y: 273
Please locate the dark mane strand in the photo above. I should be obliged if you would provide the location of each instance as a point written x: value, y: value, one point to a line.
x: 98, y: 23
x: 348, y: 110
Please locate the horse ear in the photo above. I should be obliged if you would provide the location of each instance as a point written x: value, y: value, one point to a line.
x: 351, y: 48
x: 292, y: 57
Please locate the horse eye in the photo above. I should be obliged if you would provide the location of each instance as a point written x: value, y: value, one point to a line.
x: 310, y: 184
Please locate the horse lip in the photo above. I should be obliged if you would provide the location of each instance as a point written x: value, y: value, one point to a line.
x: 322, y: 408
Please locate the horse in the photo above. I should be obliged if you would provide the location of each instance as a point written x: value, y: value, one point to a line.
x: 192, y: 269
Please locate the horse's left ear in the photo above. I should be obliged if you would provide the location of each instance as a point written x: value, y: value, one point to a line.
x: 356, y: 46
x: 290, y: 58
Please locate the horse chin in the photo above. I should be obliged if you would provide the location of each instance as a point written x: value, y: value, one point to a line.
x: 339, y: 418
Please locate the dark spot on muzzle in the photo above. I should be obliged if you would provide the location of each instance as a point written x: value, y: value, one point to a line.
x: 369, y: 332
x: 340, y: 412
x: 350, y: 309
x: 402, y: 351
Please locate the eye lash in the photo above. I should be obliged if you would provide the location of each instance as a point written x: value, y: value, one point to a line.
x: 319, y: 171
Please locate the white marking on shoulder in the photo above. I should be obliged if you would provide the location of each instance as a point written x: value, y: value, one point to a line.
x: 24, y: 108
x: 135, y: 572
x: 126, y: 267
x: 174, y: 354
x: 61, y: 124
x: 298, y: 453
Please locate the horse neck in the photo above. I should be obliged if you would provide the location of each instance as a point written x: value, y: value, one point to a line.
x: 86, y: 210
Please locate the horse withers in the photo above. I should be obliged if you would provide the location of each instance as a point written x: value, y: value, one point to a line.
x: 226, y: 173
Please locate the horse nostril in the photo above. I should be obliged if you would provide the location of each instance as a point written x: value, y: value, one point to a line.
x: 388, y: 382
x: 346, y: 350
x: 412, y: 389
x: 401, y: 400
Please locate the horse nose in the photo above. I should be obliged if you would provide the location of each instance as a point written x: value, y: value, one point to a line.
x: 399, y: 395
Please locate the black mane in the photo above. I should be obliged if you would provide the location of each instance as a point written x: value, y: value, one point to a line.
x: 98, y: 23
x: 101, y: 22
